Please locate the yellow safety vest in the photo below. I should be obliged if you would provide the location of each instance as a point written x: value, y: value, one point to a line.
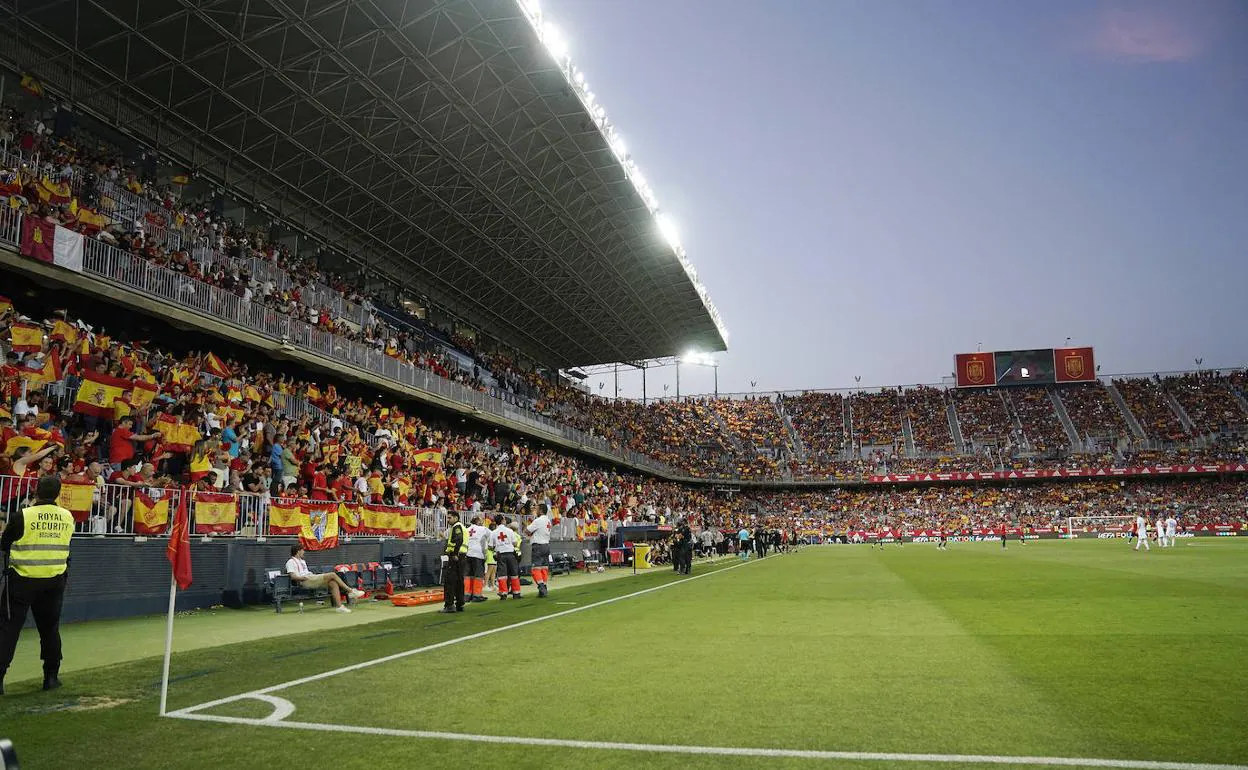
x: 43, y: 549
x: 463, y: 538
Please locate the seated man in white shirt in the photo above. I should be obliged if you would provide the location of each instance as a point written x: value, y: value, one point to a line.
x: 300, y: 575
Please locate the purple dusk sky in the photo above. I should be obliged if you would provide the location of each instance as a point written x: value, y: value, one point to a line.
x: 870, y: 186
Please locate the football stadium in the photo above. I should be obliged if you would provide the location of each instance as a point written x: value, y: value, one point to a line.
x: 338, y: 423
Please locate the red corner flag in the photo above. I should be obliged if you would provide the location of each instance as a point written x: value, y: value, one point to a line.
x: 179, y: 549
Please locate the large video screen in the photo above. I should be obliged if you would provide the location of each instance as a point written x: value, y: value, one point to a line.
x: 1044, y: 366
x: 1025, y: 367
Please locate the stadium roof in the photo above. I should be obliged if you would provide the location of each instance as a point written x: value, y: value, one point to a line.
x: 450, y: 141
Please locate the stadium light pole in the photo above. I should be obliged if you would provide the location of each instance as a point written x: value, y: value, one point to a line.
x: 699, y: 359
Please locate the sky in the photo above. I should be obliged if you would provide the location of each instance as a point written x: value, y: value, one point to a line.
x: 868, y: 187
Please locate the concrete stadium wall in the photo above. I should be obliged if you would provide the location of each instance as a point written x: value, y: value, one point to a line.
x: 126, y: 577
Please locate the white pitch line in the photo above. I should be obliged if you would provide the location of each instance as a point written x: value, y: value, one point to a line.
x: 725, y: 751
x: 440, y: 645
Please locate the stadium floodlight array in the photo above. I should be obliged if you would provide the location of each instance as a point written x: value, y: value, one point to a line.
x: 557, y: 46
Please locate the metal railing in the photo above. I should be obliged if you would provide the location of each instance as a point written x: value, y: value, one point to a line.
x: 110, y: 510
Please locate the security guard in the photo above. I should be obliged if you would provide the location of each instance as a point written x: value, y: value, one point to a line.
x: 36, y: 540
x: 453, y: 562
x: 682, y: 555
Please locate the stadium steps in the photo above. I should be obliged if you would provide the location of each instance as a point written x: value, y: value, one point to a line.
x: 907, y: 433
x: 1239, y: 399
x: 1132, y: 423
x: 1072, y: 434
x: 795, y: 440
x: 1181, y: 413
x: 951, y: 414
x: 1024, y: 439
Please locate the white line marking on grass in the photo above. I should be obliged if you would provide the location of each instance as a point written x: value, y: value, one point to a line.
x: 439, y: 645
x: 726, y: 751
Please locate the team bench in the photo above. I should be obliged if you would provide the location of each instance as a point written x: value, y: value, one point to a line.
x: 367, y: 576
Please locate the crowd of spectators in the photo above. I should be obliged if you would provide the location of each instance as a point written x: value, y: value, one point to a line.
x: 263, y: 435
x: 1041, y: 504
x: 756, y: 423
x: 929, y: 420
x: 1093, y: 412
x: 1042, y: 427
x: 71, y: 179
x: 876, y: 418
x: 1209, y: 400
x: 1146, y: 398
x: 983, y: 418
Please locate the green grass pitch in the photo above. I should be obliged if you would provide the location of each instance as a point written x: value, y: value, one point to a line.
x: 1054, y: 649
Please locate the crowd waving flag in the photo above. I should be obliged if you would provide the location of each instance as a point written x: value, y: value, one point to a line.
x: 25, y: 338
x: 215, y: 366
x: 97, y: 394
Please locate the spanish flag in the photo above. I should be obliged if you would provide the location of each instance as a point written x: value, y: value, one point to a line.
x: 76, y: 497
x: 143, y: 373
x: 181, y: 179
x: 429, y: 458
x: 31, y: 85
x: 92, y: 221
x: 151, y: 516
x: 251, y: 393
x: 176, y: 435
x: 215, y: 512
x: 48, y: 373
x: 25, y: 338
x: 97, y: 393
x: 285, y: 517
x: 320, y: 528
x: 407, y: 522
x: 229, y: 415
x: 349, y: 517
x: 6, y: 305
x: 17, y: 441
x: 313, y: 393
x: 53, y: 193
x: 382, y: 519
x: 142, y: 394
x: 215, y: 366
x: 65, y: 332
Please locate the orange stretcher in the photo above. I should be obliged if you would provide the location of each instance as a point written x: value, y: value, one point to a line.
x: 417, y: 598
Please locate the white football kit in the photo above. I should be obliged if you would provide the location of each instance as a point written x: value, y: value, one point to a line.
x: 1141, y: 533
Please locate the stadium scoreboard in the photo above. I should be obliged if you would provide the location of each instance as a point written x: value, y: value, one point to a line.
x: 1045, y: 366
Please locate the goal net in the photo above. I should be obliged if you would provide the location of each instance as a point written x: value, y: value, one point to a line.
x: 1097, y: 526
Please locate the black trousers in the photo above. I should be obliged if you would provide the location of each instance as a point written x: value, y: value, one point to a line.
x: 453, y: 582
x: 684, y: 559
x: 42, y: 597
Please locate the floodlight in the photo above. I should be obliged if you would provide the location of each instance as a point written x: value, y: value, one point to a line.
x: 668, y: 228
x: 554, y: 41
x: 533, y: 7
x: 617, y: 144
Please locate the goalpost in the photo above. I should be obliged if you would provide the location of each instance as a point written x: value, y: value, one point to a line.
x: 1100, y: 523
